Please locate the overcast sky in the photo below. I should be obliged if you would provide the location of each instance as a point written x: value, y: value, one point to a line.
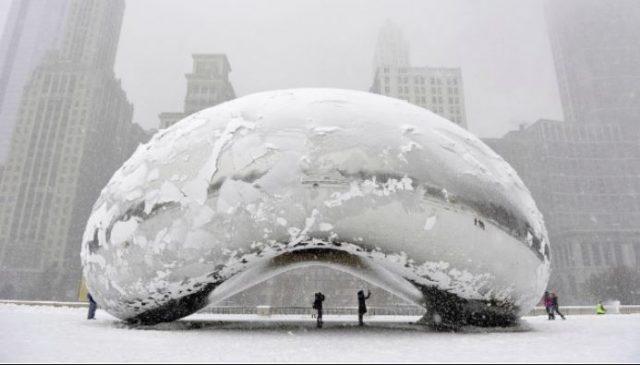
x: 501, y: 46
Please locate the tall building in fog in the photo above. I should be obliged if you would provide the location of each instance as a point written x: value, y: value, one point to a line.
x: 584, y: 179
x: 207, y: 85
x: 438, y: 89
x: 72, y: 132
x: 584, y: 173
x: 596, y: 49
x: 392, y: 48
x: 33, y: 27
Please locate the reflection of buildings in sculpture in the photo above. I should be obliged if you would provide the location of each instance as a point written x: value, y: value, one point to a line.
x: 438, y: 89
x: 32, y: 29
x: 207, y: 85
x: 584, y: 179
x: 73, y: 130
x: 297, y: 287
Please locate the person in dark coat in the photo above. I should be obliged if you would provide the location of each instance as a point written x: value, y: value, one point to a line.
x: 362, y: 305
x: 317, y: 305
x: 548, y: 305
x: 556, y: 306
x: 92, y: 307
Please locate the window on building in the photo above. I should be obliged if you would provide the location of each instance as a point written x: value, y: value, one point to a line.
x: 618, y: 251
x: 586, y: 256
x: 597, y: 255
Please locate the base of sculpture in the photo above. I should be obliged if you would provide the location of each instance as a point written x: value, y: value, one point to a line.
x: 449, y: 312
x: 445, y: 311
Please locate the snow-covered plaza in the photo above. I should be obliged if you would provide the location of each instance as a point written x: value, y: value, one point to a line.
x: 50, y: 334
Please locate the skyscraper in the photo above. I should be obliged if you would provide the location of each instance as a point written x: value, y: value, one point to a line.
x: 207, y: 85
x: 392, y: 49
x: 584, y: 179
x: 33, y: 28
x: 596, y: 48
x: 72, y: 132
x: 438, y: 89
x: 585, y: 172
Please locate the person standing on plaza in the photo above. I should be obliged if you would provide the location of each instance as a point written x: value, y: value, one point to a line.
x: 362, y: 305
x: 555, y: 305
x: 92, y: 307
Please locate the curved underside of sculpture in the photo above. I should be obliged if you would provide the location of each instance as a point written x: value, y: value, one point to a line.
x: 373, y: 186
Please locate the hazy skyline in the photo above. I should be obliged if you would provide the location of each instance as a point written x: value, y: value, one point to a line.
x: 501, y: 46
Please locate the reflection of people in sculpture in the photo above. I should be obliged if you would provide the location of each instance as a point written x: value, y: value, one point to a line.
x: 317, y: 305
x: 600, y: 308
x: 362, y: 305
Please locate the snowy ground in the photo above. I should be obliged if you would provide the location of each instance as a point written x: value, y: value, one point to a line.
x: 47, y: 334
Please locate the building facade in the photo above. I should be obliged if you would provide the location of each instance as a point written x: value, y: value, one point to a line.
x: 583, y: 173
x: 596, y: 48
x: 33, y: 28
x: 584, y: 179
x: 438, y: 89
x: 73, y: 131
x: 207, y: 85
x: 392, y: 48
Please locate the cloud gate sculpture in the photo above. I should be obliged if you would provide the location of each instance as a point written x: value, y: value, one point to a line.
x: 270, y: 182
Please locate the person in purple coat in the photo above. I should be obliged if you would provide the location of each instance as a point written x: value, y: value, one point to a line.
x: 548, y: 305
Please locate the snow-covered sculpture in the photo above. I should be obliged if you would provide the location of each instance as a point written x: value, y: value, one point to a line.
x: 266, y: 183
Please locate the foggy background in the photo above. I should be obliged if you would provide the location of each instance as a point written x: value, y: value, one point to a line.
x: 555, y: 92
x: 501, y: 46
